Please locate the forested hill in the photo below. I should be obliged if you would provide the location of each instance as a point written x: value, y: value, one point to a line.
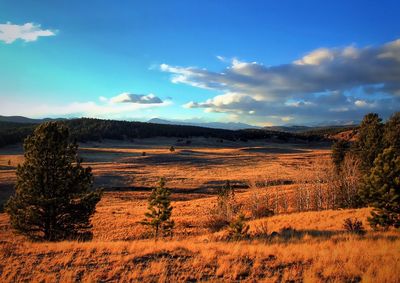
x: 86, y: 129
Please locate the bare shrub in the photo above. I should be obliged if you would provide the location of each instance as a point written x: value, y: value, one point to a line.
x: 353, y: 226
x: 261, y: 230
x: 327, y: 188
x: 259, y: 205
x: 349, y: 181
x: 284, y: 202
x: 288, y: 233
x: 216, y: 222
x: 225, y: 210
x: 343, y: 185
x: 302, y: 198
x: 261, y: 211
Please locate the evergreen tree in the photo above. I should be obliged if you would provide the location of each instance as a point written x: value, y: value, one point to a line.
x: 53, y: 198
x: 391, y: 136
x: 382, y: 190
x: 339, y: 149
x: 160, y: 210
x: 238, y: 229
x: 369, y: 143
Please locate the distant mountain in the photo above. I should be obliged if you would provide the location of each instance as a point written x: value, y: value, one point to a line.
x: 289, y: 129
x: 25, y: 120
x: 213, y: 125
x: 337, y: 123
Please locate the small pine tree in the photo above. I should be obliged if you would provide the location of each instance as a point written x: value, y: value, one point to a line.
x: 160, y: 210
x: 53, y: 199
x: 382, y: 190
x: 238, y: 229
x: 339, y: 149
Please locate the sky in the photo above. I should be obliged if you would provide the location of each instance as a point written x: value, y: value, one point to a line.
x: 258, y: 62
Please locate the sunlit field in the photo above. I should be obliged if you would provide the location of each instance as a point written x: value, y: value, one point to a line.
x: 307, y: 246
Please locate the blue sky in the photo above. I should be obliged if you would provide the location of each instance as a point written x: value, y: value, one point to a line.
x: 260, y: 62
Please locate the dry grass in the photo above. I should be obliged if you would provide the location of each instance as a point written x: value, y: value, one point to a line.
x: 316, y: 248
x: 344, y: 258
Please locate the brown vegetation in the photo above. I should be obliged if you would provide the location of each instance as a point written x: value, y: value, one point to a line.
x: 294, y: 245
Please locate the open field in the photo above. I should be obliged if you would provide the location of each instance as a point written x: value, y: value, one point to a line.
x: 309, y: 246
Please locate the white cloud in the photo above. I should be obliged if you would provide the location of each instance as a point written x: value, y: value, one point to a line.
x: 127, y: 97
x: 324, y: 84
x: 286, y: 118
x: 316, y: 57
x: 27, y: 32
x: 391, y: 51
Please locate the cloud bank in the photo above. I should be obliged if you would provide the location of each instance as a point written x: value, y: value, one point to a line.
x: 126, y: 97
x: 116, y: 107
x: 325, y: 84
x: 27, y: 32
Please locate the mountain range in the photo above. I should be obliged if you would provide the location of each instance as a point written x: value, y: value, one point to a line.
x: 212, y: 125
x: 25, y: 120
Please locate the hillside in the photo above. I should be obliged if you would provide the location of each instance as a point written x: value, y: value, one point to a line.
x: 25, y: 120
x: 86, y: 129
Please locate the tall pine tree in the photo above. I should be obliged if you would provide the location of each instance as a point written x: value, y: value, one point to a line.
x: 53, y: 198
x: 339, y: 150
x: 391, y: 135
x: 369, y: 143
x: 382, y: 190
x: 159, y: 215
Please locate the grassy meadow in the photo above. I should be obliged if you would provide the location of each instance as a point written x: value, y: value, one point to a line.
x: 307, y: 246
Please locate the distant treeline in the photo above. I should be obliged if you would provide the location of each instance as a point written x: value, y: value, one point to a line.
x: 11, y: 132
x: 87, y: 129
x: 329, y: 131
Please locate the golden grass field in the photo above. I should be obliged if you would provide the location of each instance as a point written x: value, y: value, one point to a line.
x: 317, y: 248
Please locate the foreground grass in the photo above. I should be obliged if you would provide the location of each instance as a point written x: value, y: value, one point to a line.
x: 314, y: 252
x: 373, y: 258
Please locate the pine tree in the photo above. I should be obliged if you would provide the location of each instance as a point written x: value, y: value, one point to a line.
x: 369, y: 143
x: 339, y: 149
x: 160, y: 210
x: 53, y: 199
x: 238, y: 229
x: 382, y: 190
x: 391, y: 136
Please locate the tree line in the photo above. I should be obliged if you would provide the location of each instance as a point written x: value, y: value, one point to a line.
x: 377, y: 150
x: 88, y: 129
